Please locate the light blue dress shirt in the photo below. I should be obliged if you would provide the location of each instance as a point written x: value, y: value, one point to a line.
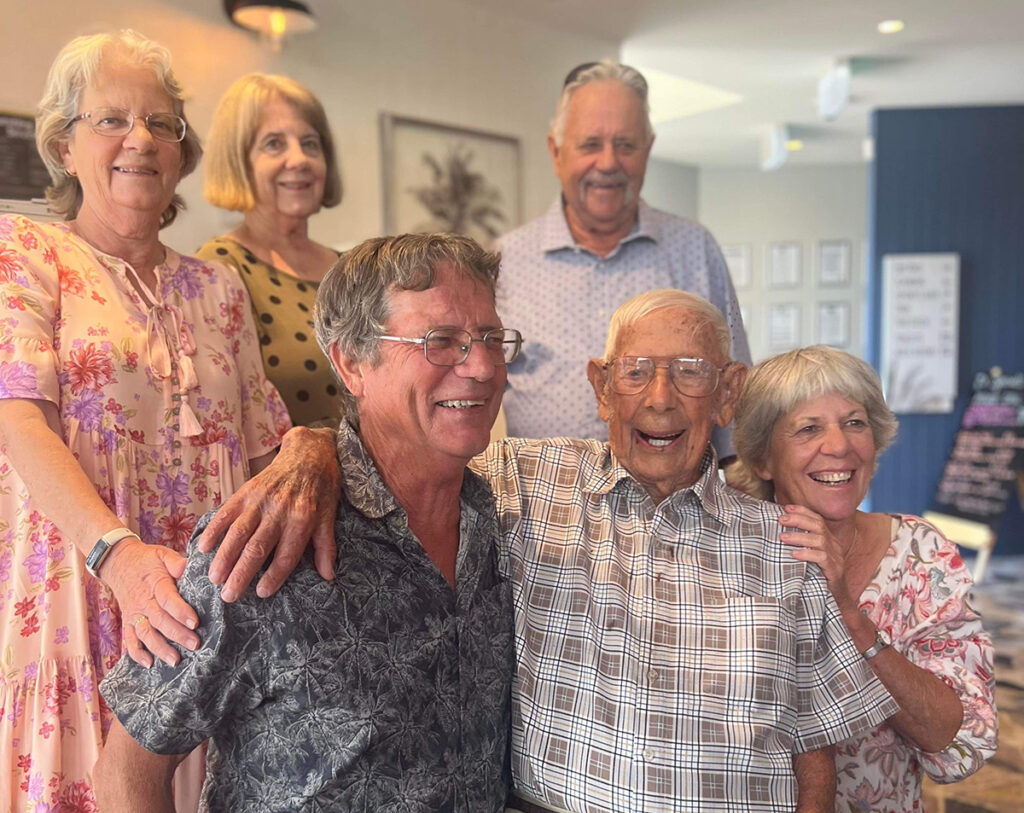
x: 561, y: 297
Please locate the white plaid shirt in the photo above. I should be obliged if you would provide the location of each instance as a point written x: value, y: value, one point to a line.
x: 670, y: 657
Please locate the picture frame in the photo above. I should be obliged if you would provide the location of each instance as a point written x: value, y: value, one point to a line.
x: 783, y: 260
x: 737, y: 259
x: 439, y: 177
x: 833, y: 326
x: 834, y: 262
x: 783, y: 325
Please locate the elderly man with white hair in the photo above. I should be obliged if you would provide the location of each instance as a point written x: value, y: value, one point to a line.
x: 598, y: 245
x: 670, y: 654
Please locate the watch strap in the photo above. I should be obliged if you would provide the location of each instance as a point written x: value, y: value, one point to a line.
x: 882, y: 641
x: 102, y: 548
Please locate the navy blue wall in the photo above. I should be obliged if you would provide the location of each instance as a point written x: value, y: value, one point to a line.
x: 951, y: 180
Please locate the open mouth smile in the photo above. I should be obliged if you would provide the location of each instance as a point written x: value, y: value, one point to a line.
x: 460, y: 404
x: 659, y: 441
x: 832, y: 478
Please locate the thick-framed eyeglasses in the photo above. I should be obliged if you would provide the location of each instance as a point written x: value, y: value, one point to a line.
x: 450, y: 347
x: 631, y: 375
x: 116, y: 121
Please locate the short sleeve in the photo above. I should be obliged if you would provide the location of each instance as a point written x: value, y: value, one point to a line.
x: 838, y: 696
x: 264, y: 414
x: 943, y: 635
x: 30, y: 286
x: 171, y: 709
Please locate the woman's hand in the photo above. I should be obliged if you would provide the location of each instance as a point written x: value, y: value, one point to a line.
x: 277, y: 511
x: 152, y: 611
x: 806, y: 532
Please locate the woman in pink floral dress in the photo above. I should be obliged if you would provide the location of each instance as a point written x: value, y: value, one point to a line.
x: 809, y: 426
x: 132, y: 400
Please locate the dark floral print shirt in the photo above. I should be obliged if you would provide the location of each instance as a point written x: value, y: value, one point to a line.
x: 381, y: 691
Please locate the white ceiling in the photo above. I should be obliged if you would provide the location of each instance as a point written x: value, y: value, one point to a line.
x: 772, y: 53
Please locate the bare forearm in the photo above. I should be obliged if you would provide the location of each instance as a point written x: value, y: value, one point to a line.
x: 128, y: 778
x: 30, y: 432
x: 930, y: 711
x: 815, y: 781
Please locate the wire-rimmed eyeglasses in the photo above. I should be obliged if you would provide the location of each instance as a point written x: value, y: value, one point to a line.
x: 450, y: 347
x: 631, y: 375
x: 116, y: 121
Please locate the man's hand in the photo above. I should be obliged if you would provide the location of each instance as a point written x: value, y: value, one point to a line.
x: 278, y: 510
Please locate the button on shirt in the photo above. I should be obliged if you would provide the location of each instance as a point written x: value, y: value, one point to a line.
x: 382, y: 690
x: 670, y: 657
x: 562, y: 297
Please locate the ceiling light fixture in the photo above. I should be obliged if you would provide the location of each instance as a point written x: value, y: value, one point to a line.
x: 794, y: 145
x: 890, y: 26
x: 274, y: 19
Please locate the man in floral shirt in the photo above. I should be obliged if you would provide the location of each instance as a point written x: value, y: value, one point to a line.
x: 388, y: 688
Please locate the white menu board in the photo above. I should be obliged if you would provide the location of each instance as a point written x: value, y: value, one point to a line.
x: 920, y: 331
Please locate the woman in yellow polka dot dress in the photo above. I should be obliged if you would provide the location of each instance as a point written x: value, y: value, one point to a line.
x: 270, y: 155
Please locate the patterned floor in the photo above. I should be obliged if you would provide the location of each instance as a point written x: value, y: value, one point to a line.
x: 999, y: 786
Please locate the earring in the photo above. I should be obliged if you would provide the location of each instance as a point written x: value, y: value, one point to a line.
x: 69, y: 173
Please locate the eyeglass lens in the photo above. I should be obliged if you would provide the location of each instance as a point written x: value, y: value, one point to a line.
x: 449, y: 348
x: 115, y: 121
x: 696, y: 377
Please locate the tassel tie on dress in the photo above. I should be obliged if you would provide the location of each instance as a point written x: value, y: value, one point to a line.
x: 168, y: 333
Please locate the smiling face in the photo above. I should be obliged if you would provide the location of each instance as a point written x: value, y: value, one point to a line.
x: 413, y: 411
x: 126, y: 180
x: 660, y: 435
x: 603, y: 157
x: 287, y: 160
x: 822, y: 456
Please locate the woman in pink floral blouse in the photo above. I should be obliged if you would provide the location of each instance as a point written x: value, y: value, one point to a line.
x: 809, y: 426
x: 132, y: 400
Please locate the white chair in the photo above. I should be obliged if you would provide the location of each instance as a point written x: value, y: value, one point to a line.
x: 967, y: 534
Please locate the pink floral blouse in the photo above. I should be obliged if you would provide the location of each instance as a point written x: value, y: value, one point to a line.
x: 163, y: 401
x: 920, y: 596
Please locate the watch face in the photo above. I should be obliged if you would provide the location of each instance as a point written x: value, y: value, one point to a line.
x: 883, y: 637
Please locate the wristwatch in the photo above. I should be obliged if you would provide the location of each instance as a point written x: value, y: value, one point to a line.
x: 882, y: 641
x: 102, y: 548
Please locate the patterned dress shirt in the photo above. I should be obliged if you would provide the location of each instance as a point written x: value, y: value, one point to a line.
x: 384, y: 690
x: 561, y: 297
x: 670, y: 657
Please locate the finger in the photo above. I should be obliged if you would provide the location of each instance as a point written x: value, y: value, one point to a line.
x: 325, y: 549
x: 802, y: 540
x: 136, y: 651
x: 249, y: 560
x: 286, y: 556
x: 155, y: 642
x: 169, y: 627
x: 167, y: 595
x: 220, y: 522
x: 234, y: 543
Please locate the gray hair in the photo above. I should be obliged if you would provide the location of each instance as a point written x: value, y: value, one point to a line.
x: 76, y: 68
x: 777, y: 385
x: 354, y: 300
x: 631, y: 312
x: 606, y: 70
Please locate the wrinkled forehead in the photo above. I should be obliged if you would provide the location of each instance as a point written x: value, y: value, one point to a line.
x: 669, y: 332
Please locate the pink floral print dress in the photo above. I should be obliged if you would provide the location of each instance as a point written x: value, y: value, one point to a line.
x: 163, y: 401
x: 920, y: 596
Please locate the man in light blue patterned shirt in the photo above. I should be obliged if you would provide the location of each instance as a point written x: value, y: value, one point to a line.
x: 564, y: 273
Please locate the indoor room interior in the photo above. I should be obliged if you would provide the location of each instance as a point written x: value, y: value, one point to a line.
x: 813, y: 139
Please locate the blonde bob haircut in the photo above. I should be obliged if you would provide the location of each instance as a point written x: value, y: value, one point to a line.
x: 228, y: 176
x: 76, y: 68
x: 777, y: 385
x: 631, y: 312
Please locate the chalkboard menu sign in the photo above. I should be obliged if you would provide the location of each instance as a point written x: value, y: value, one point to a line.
x: 988, y: 452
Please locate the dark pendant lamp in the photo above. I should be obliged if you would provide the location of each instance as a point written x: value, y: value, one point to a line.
x: 272, y: 18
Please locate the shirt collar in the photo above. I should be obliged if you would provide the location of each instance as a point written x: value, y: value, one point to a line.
x: 555, y: 233
x: 366, y: 491
x: 607, y: 472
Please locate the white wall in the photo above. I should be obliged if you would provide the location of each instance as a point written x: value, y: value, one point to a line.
x: 672, y: 187
x: 806, y: 204
x: 442, y: 60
